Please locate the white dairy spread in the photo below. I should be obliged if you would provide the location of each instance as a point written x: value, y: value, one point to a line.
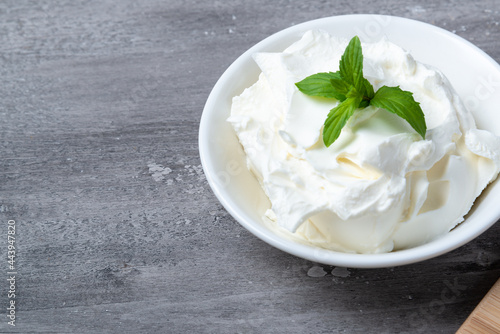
x: 379, y: 187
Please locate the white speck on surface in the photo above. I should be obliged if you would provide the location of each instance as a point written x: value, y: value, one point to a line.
x: 316, y: 271
x: 341, y: 272
x: 410, y: 297
x: 234, y: 17
x: 417, y: 9
x: 231, y: 31
x: 158, y: 172
x: 195, y: 170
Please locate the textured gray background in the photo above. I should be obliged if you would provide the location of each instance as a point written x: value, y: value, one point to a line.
x: 117, y: 228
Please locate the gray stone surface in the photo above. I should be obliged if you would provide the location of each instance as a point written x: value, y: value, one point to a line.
x: 117, y: 228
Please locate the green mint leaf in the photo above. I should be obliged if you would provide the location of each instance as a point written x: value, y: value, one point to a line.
x: 351, y: 64
x: 319, y: 85
x: 354, y: 91
x: 368, y: 89
x: 338, y: 116
x: 340, y: 86
x: 364, y: 104
x: 401, y: 103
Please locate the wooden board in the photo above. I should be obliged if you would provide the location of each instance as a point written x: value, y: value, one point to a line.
x: 486, y: 316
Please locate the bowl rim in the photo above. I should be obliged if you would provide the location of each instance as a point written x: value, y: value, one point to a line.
x: 352, y: 260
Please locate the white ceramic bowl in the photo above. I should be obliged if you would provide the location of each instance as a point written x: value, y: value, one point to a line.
x: 474, y: 75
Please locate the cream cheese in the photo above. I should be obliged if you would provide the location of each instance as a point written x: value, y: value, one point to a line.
x: 379, y: 187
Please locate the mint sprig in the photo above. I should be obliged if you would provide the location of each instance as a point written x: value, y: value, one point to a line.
x: 354, y: 91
